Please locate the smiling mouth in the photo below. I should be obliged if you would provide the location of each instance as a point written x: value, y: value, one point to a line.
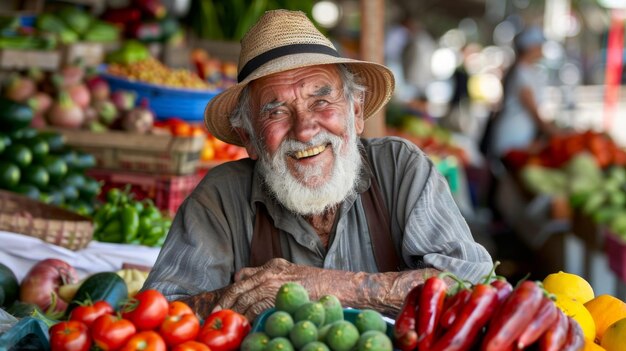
x: 309, y: 152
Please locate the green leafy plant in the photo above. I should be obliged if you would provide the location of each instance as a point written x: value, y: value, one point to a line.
x: 231, y: 19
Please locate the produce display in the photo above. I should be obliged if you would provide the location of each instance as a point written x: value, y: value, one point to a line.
x: 495, y: 315
x: 441, y: 313
x: 153, y: 71
x: 39, y: 165
x: 104, y: 313
x: 122, y: 219
x: 71, y: 24
x: 435, y: 141
x: 68, y: 25
x: 298, y: 323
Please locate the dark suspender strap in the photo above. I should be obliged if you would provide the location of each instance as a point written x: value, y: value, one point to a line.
x: 265, y: 243
x: 379, y: 226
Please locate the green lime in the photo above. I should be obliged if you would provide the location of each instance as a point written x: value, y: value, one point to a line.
x: 332, y: 307
x: 342, y: 336
x: 290, y: 296
x: 279, y: 344
x: 303, y: 333
x: 255, y: 342
x: 370, y: 320
x: 315, y: 346
x: 374, y: 340
x: 278, y: 324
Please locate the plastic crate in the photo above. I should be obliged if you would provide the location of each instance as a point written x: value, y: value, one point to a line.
x: 167, y: 191
x: 187, y: 104
x: 138, y: 152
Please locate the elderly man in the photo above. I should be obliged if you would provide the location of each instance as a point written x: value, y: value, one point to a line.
x: 364, y: 220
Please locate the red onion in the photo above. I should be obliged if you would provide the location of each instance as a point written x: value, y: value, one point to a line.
x: 65, y: 113
x: 99, y: 88
x: 20, y: 88
x: 80, y: 94
x: 138, y: 120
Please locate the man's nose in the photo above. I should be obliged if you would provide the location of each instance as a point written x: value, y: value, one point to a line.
x: 305, y: 125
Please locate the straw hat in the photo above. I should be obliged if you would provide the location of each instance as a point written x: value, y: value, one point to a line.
x: 283, y: 40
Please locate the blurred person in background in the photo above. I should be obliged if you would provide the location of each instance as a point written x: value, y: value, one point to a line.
x: 397, y: 39
x: 519, y: 122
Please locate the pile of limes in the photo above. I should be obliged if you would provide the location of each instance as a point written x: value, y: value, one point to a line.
x: 297, y: 323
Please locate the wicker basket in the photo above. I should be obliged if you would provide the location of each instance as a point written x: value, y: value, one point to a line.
x: 23, y: 215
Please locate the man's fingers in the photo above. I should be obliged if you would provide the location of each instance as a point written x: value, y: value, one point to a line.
x: 256, y: 309
x: 246, y: 273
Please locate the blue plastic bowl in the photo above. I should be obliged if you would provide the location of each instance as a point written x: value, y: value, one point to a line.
x: 187, y: 104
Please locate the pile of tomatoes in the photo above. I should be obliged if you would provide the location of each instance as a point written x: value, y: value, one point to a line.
x: 148, y: 322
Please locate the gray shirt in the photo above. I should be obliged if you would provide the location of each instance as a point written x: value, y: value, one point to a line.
x: 210, y: 236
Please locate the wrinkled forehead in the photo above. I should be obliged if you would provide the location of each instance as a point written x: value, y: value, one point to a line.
x: 306, y: 80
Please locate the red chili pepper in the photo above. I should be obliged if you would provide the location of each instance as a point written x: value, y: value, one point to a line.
x: 454, y: 306
x: 555, y: 336
x: 514, y: 314
x: 504, y: 289
x: 546, y: 315
x: 575, y: 338
x: 474, y: 315
x: 430, y: 309
x: 404, y: 330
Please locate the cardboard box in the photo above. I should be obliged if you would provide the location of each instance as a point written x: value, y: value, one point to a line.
x: 151, y: 153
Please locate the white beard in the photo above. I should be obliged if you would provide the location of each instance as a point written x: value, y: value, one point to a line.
x: 293, y: 193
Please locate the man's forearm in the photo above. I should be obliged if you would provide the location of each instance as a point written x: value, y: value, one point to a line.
x: 383, y: 292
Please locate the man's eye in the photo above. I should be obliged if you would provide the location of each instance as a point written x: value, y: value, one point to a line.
x: 276, y: 113
x: 319, y: 104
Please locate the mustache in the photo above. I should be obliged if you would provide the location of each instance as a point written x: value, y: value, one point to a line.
x: 291, y: 146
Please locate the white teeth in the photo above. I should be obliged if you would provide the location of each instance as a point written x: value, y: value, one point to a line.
x: 310, y: 152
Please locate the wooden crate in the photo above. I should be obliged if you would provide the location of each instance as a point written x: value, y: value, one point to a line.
x: 48, y: 60
x: 120, y: 150
x: 91, y: 54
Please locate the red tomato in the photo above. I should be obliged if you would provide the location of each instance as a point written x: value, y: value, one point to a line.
x: 147, y: 309
x: 178, y: 329
x: 70, y: 336
x: 88, y: 312
x: 224, y: 330
x: 145, y: 341
x: 191, y: 346
x: 110, y: 332
x: 179, y: 308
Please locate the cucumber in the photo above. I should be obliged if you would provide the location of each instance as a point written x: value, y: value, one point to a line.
x: 103, y: 286
x: 8, y: 285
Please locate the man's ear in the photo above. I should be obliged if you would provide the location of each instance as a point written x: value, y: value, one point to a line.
x: 359, y: 121
x: 245, y: 139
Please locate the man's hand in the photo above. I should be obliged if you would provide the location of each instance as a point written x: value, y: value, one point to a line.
x: 254, y: 289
